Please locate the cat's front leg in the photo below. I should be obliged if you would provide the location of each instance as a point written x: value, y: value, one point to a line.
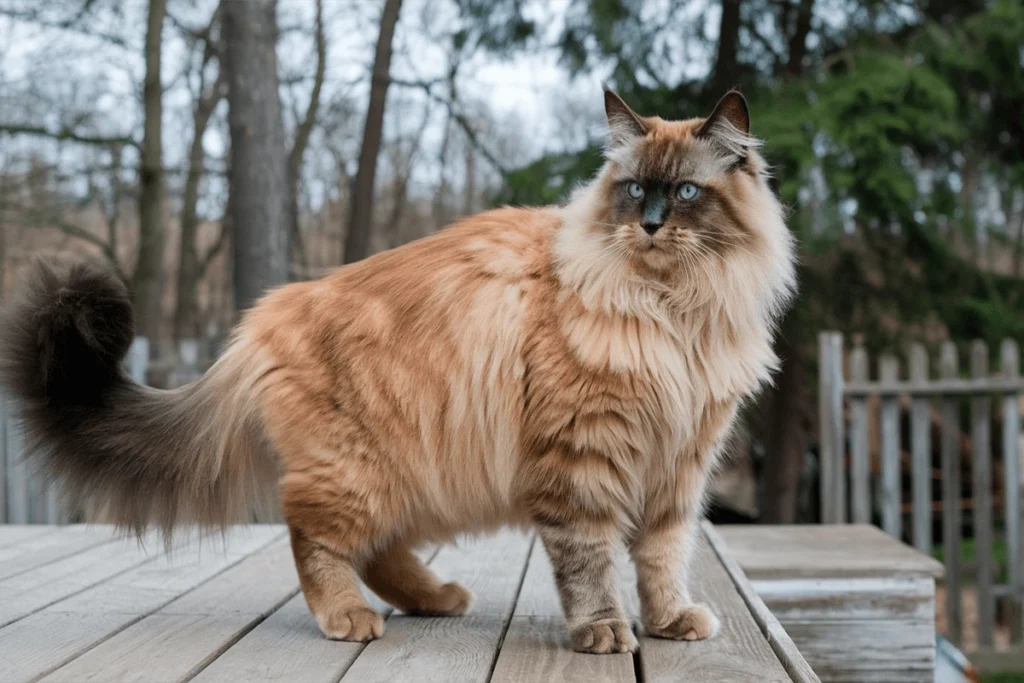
x: 660, y: 553
x: 584, y: 573
x: 581, y: 544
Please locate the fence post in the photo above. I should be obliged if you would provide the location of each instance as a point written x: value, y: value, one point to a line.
x: 860, y: 466
x: 187, y: 368
x: 1009, y: 365
x: 137, y: 360
x: 921, y: 450
x: 981, y: 460
x: 830, y: 407
x: 17, y: 469
x: 36, y: 496
x: 951, y: 491
x: 52, y: 509
x: 4, y: 469
x: 892, y: 522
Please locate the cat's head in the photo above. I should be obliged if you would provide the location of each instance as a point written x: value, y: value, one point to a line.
x: 678, y: 196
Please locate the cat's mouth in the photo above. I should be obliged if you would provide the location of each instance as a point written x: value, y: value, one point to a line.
x: 644, y: 241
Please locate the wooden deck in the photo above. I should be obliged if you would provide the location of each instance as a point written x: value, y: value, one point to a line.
x: 77, y: 605
x: 859, y: 604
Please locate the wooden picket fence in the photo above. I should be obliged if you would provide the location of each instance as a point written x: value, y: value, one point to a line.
x: 24, y: 496
x: 845, y: 457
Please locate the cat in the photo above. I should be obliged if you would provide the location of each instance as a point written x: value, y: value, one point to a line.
x: 571, y: 369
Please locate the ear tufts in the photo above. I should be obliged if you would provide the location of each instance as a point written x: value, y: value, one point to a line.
x: 732, y: 108
x: 729, y: 125
x: 624, y: 125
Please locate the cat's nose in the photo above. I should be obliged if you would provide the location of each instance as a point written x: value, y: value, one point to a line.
x: 651, y: 227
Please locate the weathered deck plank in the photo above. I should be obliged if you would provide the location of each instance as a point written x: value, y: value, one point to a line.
x: 177, y: 641
x: 53, y: 636
x: 537, y: 646
x: 217, y: 612
x: 423, y: 650
x: 908, y: 656
x: 16, y: 533
x: 288, y: 647
x: 31, y: 591
x: 771, y: 552
x: 41, y: 550
x: 740, y: 652
x: 284, y: 648
x: 859, y: 604
x: 778, y: 640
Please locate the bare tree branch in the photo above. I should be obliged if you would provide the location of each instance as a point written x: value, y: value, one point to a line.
x: 215, y: 248
x: 208, y: 95
x: 305, y: 127
x: 458, y: 117
x: 72, y: 230
x: 302, y: 132
x: 66, y: 133
x: 764, y: 40
x: 70, y: 24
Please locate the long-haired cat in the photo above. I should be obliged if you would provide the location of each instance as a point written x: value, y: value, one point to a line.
x: 574, y: 369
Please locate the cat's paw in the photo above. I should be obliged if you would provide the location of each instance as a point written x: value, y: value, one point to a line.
x: 691, y: 622
x: 604, y: 637
x: 358, y: 625
x: 450, y: 600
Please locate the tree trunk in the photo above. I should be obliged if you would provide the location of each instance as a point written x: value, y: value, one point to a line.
x: 1018, y: 248
x: 186, y: 314
x: 147, y: 281
x: 360, y: 222
x: 786, y: 422
x: 726, y: 71
x: 3, y: 233
x: 258, y: 175
x: 3, y: 247
x: 438, y: 204
x: 969, y: 174
x: 787, y: 434
x: 302, y: 132
x: 798, y: 39
x: 470, y: 186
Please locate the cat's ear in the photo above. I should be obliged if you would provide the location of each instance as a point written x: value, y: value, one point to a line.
x: 624, y: 125
x: 729, y: 125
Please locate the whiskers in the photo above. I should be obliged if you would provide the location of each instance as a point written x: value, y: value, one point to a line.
x: 727, y: 241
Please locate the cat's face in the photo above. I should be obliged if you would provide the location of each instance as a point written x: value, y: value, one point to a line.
x: 677, y: 193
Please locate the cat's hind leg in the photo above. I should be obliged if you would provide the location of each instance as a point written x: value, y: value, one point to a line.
x: 334, y: 530
x: 330, y: 584
x: 401, y: 578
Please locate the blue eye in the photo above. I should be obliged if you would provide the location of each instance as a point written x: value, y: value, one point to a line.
x: 634, y: 191
x: 688, y: 191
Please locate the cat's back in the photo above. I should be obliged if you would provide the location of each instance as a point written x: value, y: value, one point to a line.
x: 464, y: 285
x: 506, y: 244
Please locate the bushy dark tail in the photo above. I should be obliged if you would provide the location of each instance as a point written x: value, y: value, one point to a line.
x: 195, y: 455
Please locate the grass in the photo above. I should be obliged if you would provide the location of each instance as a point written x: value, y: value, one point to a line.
x: 1003, y: 677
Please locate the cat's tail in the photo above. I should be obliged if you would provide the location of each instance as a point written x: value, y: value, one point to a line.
x: 137, y: 456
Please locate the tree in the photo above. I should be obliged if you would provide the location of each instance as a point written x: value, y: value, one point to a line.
x: 725, y: 73
x: 360, y: 222
x: 191, y: 264
x: 303, y: 129
x: 798, y: 38
x: 258, y: 203
x: 147, y: 282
